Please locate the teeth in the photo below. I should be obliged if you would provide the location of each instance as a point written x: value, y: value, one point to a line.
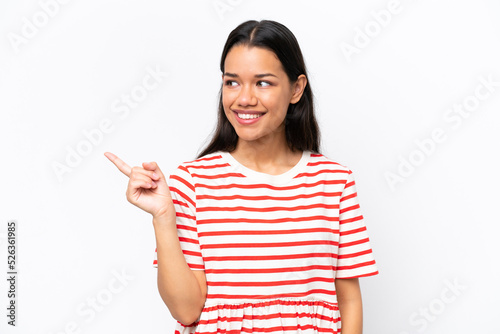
x: 249, y: 116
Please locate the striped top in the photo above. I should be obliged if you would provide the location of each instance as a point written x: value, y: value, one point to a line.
x: 271, y: 246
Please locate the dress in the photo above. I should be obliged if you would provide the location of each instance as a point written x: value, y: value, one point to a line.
x: 271, y: 245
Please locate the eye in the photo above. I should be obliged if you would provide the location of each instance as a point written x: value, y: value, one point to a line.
x: 230, y: 83
x: 263, y: 83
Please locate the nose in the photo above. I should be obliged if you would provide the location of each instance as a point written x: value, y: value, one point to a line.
x: 246, y: 97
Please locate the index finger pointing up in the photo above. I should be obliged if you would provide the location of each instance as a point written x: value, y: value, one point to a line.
x: 122, y: 166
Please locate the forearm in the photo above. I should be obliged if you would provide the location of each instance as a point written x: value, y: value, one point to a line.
x: 350, y: 306
x: 352, y: 317
x: 177, y: 284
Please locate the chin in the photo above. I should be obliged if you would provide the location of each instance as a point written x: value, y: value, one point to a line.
x: 247, y: 135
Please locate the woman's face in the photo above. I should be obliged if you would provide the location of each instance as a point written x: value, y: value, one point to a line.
x: 257, y: 92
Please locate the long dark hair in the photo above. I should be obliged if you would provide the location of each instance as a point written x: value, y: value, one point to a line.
x: 301, y: 128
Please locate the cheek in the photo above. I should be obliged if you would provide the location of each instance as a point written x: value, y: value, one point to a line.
x: 227, y: 99
x: 226, y: 104
x: 278, y: 103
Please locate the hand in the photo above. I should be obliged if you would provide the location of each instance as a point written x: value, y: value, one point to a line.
x: 147, y: 187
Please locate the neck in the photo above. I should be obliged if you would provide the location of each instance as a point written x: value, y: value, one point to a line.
x: 269, y: 156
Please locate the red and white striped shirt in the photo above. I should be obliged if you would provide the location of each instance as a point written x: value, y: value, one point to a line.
x: 271, y: 246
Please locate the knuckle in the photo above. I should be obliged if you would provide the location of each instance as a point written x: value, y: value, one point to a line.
x: 136, y: 172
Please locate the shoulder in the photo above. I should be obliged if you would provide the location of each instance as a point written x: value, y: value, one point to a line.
x: 206, y: 161
x: 185, y: 177
x: 205, y: 165
x: 321, y: 167
x: 321, y: 161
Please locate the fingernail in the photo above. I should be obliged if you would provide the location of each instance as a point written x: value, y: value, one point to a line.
x: 155, y: 175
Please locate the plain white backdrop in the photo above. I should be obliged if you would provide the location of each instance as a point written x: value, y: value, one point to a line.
x: 407, y: 96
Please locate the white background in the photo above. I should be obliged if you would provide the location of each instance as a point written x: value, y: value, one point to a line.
x: 434, y: 227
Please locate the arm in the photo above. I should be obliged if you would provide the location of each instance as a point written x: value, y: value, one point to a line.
x: 350, y: 305
x: 183, y: 290
x: 355, y: 259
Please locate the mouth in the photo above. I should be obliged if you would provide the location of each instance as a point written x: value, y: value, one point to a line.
x: 247, y: 115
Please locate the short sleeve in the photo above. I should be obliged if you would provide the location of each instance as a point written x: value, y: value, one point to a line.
x: 355, y: 256
x: 182, y: 190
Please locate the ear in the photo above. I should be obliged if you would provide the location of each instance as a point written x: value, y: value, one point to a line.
x: 298, y: 88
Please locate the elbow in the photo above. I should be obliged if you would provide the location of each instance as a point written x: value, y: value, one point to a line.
x: 187, y: 314
x: 187, y: 318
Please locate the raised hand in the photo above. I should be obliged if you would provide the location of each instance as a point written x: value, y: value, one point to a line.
x: 147, y: 187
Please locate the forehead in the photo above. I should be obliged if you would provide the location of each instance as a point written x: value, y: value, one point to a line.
x: 242, y: 58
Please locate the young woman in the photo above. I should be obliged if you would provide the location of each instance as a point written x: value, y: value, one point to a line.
x: 261, y: 233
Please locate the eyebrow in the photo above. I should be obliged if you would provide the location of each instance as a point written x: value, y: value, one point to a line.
x: 234, y: 75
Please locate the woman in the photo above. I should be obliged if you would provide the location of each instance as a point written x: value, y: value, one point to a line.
x: 261, y: 233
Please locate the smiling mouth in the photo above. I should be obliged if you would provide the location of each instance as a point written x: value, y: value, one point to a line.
x: 249, y: 116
